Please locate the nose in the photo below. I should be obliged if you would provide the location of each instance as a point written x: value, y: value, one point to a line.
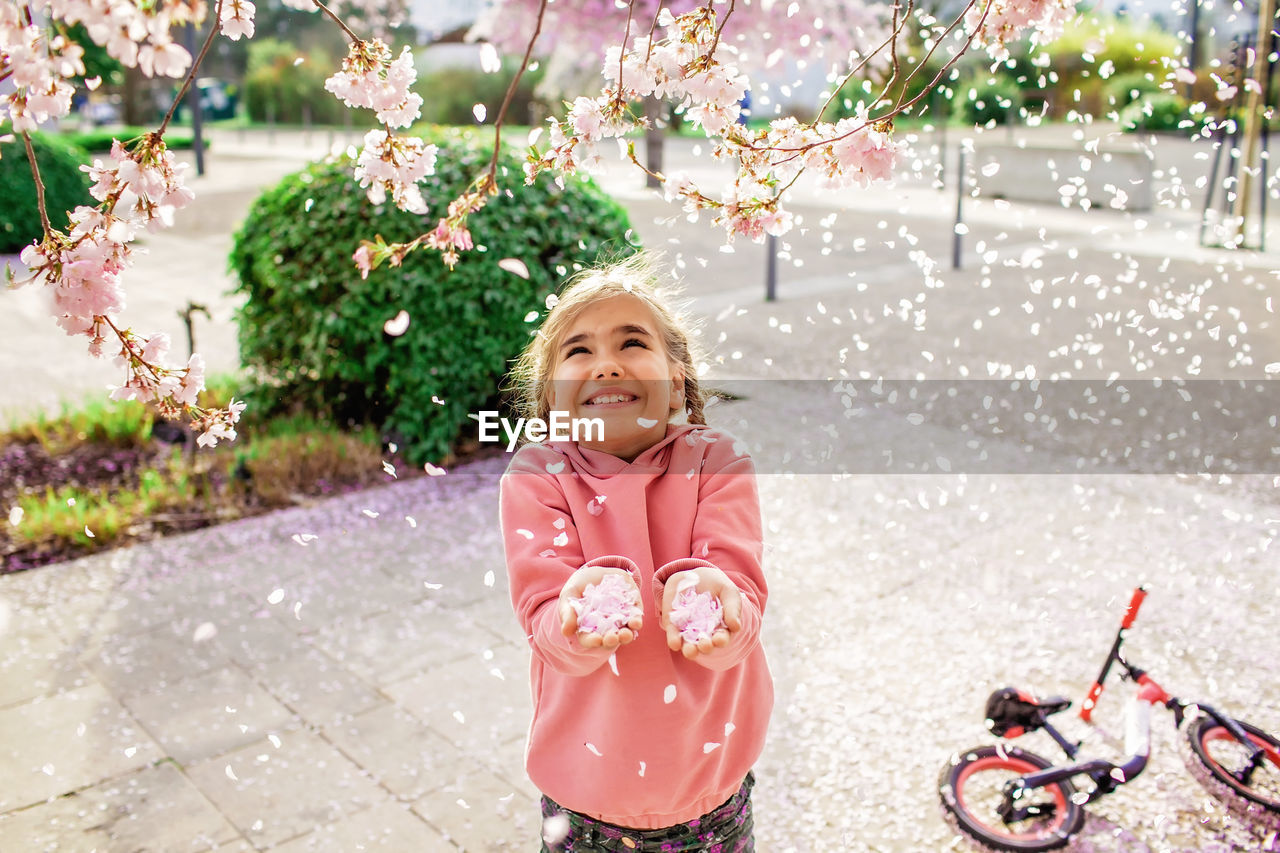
x: 607, y: 366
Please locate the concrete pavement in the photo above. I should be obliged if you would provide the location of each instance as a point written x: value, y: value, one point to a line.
x: 246, y: 688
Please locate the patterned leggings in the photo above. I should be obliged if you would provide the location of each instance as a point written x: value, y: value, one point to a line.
x: 726, y: 829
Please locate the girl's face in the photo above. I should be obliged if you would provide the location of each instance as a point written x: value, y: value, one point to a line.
x: 610, y: 364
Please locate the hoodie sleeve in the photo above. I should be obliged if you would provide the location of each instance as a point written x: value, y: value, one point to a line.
x: 727, y: 535
x: 542, y: 551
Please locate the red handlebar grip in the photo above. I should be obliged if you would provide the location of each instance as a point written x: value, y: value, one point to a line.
x: 1131, y: 612
x: 1091, y: 701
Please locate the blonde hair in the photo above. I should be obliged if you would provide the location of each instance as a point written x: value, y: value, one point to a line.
x: 636, y: 275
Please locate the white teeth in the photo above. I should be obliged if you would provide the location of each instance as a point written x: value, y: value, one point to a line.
x: 612, y: 398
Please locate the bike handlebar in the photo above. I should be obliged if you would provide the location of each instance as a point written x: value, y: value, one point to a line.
x: 1130, y: 614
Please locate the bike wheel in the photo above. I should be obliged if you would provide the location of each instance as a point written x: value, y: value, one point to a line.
x: 972, y: 790
x: 1220, y: 763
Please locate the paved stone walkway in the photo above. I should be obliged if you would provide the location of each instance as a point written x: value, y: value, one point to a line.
x: 248, y: 687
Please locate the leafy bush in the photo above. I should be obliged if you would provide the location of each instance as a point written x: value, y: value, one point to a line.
x: 1124, y: 89
x: 65, y: 187
x: 99, y: 141
x: 1161, y: 112
x: 279, y: 88
x: 993, y: 99
x: 450, y: 94
x: 311, y: 330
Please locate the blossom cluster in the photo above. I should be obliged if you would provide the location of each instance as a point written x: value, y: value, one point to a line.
x: 692, y: 65
x: 996, y: 23
x: 136, y: 188
x: 388, y: 163
x: 607, y: 605
x: 696, y: 615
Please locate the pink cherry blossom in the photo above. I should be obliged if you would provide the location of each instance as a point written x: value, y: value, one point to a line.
x: 607, y: 605
x: 696, y: 615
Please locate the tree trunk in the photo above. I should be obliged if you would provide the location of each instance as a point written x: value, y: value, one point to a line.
x: 138, y: 106
x: 655, y: 110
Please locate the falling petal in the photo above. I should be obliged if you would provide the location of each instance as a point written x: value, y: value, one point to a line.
x: 613, y: 662
x: 488, y: 578
x: 369, y: 512
x: 430, y: 585
x: 413, y: 522
x: 558, y: 524
x: 303, y: 538
x: 555, y: 467
x: 561, y: 540
x: 15, y: 515
x: 594, y: 751
x: 552, y: 301
x: 669, y: 694
x: 397, y: 325
x: 555, y: 829
x: 92, y: 83
x: 480, y: 111
x: 728, y: 729
x: 646, y: 423
x: 642, y: 766
x: 527, y: 534
x: 389, y: 468
x: 88, y: 532
x: 231, y: 774
x: 490, y: 62
x: 205, y: 632
x: 437, y: 400
x: 514, y: 266
x: 531, y: 316
x: 433, y: 471
x: 709, y: 747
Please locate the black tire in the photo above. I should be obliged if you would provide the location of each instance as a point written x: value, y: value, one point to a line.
x: 1214, y: 757
x: 971, y: 789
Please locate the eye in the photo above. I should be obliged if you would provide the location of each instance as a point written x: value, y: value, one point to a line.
x: 574, y: 351
x: 635, y: 341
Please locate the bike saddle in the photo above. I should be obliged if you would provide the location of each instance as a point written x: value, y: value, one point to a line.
x: 1012, y: 712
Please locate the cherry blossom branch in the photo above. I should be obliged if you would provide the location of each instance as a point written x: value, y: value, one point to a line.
x: 191, y: 74
x: 35, y: 173
x: 853, y: 72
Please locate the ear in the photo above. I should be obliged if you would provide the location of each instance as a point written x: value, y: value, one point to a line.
x: 677, y: 389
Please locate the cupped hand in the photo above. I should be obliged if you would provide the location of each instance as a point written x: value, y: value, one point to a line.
x: 574, y: 588
x: 710, y: 580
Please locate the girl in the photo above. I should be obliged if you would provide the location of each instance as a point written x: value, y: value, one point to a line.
x: 641, y: 739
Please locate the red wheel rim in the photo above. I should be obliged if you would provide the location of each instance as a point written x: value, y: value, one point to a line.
x: 1216, y: 734
x: 1021, y: 767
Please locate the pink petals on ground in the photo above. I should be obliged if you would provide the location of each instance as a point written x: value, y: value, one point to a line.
x: 607, y: 605
x: 696, y: 615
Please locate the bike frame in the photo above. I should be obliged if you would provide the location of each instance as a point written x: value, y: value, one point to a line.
x: 1108, y: 775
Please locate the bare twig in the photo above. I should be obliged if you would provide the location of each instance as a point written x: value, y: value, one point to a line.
x: 35, y: 173
x: 335, y: 18
x: 191, y: 74
x: 511, y: 91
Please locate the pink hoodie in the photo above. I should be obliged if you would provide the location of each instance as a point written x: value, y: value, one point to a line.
x: 667, y: 739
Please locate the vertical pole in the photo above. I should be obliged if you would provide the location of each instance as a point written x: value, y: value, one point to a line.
x: 957, y: 231
x: 197, y: 114
x: 771, y: 268
x: 1193, y: 54
x: 1253, y: 121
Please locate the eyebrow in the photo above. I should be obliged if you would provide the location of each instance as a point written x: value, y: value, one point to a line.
x: 629, y: 329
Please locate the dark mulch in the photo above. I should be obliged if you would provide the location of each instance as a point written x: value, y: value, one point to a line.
x: 26, y: 467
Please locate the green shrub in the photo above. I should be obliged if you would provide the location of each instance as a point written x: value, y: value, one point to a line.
x: 65, y: 188
x: 1124, y: 89
x: 311, y: 330
x: 994, y: 99
x: 279, y: 88
x: 1160, y: 112
x: 450, y: 94
x: 99, y: 141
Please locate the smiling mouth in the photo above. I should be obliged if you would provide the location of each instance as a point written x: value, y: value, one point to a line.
x: 605, y: 399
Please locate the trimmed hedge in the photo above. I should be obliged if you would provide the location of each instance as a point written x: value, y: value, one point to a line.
x: 311, y: 331
x: 99, y: 141
x: 65, y: 188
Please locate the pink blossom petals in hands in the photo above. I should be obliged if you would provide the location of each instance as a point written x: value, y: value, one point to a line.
x: 696, y: 615
x: 607, y: 605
